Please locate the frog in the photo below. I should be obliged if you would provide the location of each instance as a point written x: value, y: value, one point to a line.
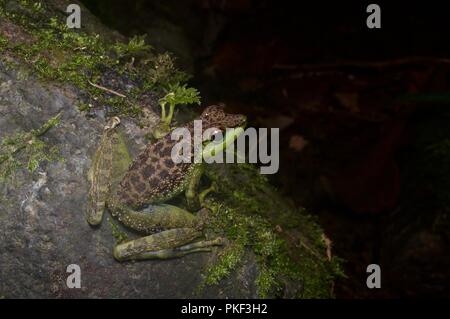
x: 136, y: 192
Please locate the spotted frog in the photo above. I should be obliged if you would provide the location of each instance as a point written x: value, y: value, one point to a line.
x: 136, y: 194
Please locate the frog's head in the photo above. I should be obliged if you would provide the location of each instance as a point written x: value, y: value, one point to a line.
x: 215, y: 120
x: 214, y: 116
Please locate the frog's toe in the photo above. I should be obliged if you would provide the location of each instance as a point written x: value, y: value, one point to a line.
x: 153, y: 247
x: 220, y: 241
x: 202, y: 196
x: 204, y: 217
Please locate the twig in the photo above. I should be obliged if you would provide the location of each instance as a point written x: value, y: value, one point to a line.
x: 106, y: 89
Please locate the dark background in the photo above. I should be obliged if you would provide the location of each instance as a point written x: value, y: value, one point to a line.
x: 363, y: 116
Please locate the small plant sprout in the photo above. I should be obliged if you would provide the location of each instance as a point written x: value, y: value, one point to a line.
x: 178, y: 94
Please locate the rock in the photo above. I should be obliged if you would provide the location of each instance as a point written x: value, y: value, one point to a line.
x: 42, y: 223
x: 43, y: 228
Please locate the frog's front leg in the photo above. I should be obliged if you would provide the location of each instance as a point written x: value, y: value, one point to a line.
x: 191, y: 192
x: 194, y: 198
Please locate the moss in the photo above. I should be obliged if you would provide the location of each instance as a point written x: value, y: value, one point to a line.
x: 288, y: 244
x: 3, y: 43
x: 135, y: 47
x: 26, y: 150
x: 248, y: 190
x: 246, y: 209
x: 117, y: 233
x: 229, y: 259
x: 72, y: 56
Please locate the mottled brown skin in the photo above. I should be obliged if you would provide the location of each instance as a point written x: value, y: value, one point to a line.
x: 152, y: 178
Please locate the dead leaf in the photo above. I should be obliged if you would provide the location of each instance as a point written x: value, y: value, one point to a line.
x: 349, y: 101
x: 297, y: 143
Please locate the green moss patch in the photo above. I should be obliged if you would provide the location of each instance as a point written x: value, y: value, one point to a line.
x: 288, y: 244
x: 26, y: 150
x: 54, y: 52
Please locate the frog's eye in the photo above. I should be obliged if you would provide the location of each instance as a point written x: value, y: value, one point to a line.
x: 217, y: 137
x: 213, y: 134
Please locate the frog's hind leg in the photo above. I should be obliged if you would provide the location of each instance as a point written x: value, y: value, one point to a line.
x: 158, y: 217
x: 168, y: 244
x: 110, y: 156
x: 99, y: 176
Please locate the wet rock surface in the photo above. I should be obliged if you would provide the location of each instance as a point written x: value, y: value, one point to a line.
x: 42, y: 222
x: 275, y: 248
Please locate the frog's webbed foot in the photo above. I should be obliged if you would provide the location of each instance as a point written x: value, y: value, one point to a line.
x: 165, y: 245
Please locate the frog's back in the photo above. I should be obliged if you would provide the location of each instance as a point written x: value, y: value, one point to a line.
x: 153, y: 176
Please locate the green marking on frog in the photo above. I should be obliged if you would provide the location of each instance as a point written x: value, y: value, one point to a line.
x: 151, y: 179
